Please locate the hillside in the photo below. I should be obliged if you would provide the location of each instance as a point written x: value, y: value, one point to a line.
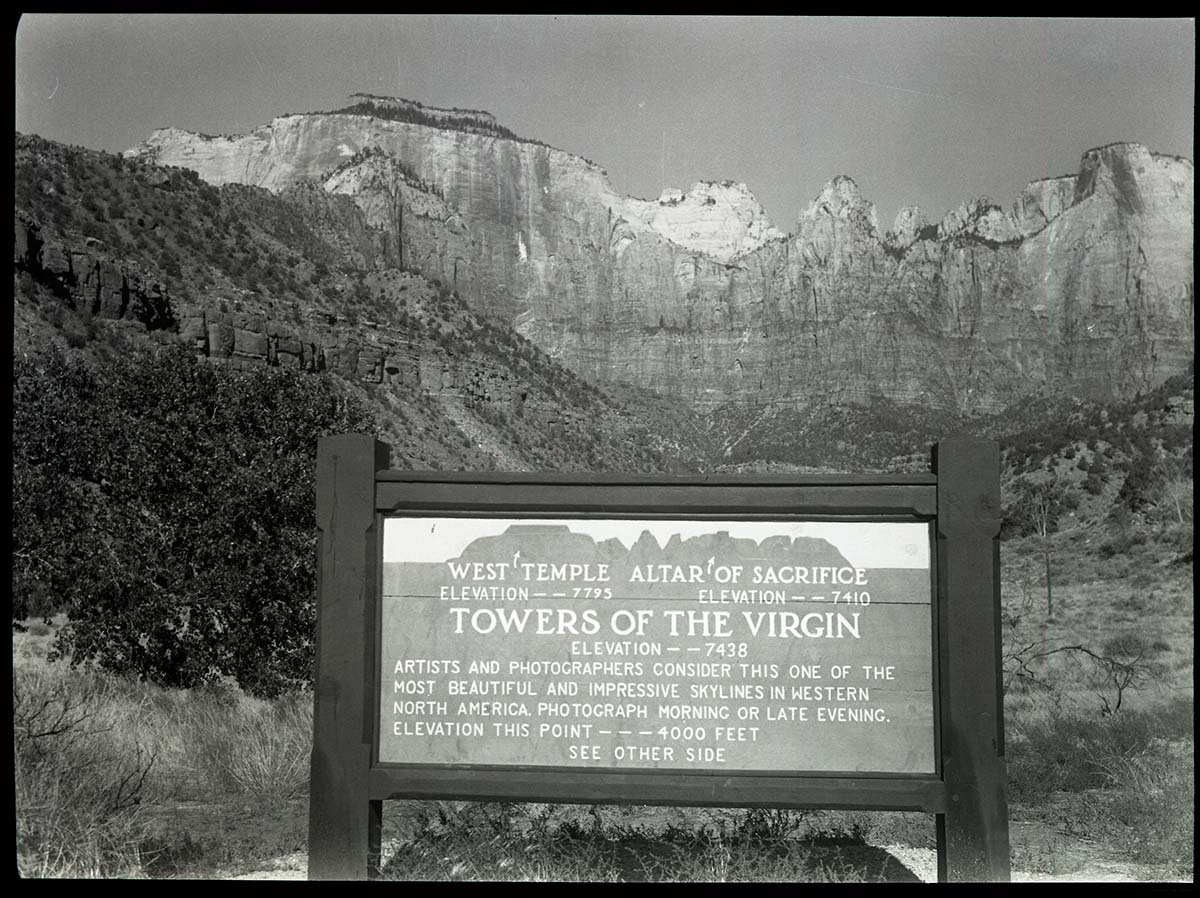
x: 109, y: 250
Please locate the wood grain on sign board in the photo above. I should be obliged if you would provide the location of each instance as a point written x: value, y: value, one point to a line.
x: 926, y: 794
x: 473, y: 494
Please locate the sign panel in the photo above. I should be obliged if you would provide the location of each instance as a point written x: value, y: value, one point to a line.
x: 772, y: 646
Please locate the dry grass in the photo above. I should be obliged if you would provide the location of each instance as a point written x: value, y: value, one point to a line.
x: 97, y: 757
x: 80, y: 772
x: 250, y: 747
x: 1103, y: 751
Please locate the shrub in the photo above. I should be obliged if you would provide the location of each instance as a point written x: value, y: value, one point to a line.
x: 253, y: 748
x: 1151, y: 807
x: 167, y: 504
x: 1072, y: 751
x: 1122, y: 542
x: 1128, y: 644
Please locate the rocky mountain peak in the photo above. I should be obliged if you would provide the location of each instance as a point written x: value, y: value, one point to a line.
x: 979, y: 218
x: 720, y: 219
x: 841, y: 190
x: 1041, y: 202
x: 839, y: 227
x: 1132, y: 175
x: 907, y: 227
x: 840, y: 200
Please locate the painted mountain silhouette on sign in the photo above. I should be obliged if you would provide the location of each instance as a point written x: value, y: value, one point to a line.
x: 675, y: 570
x: 557, y: 543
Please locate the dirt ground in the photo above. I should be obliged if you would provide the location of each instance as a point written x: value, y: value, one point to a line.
x: 1041, y: 853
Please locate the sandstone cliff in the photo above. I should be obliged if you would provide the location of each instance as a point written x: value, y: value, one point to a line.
x: 1085, y: 285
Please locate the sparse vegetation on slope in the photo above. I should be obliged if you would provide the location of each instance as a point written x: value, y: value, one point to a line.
x: 466, y: 120
x: 306, y: 261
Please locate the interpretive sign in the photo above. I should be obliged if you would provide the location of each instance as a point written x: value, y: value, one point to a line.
x: 818, y: 641
x: 674, y: 644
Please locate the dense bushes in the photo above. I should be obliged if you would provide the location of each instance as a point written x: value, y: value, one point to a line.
x: 167, y: 506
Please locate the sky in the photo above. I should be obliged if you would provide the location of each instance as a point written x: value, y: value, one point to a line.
x: 865, y: 544
x: 931, y: 112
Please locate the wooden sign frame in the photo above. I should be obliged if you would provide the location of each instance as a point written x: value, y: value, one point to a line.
x: 967, y: 794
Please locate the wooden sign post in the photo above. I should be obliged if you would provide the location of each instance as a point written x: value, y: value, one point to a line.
x: 972, y: 833
x: 822, y: 641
